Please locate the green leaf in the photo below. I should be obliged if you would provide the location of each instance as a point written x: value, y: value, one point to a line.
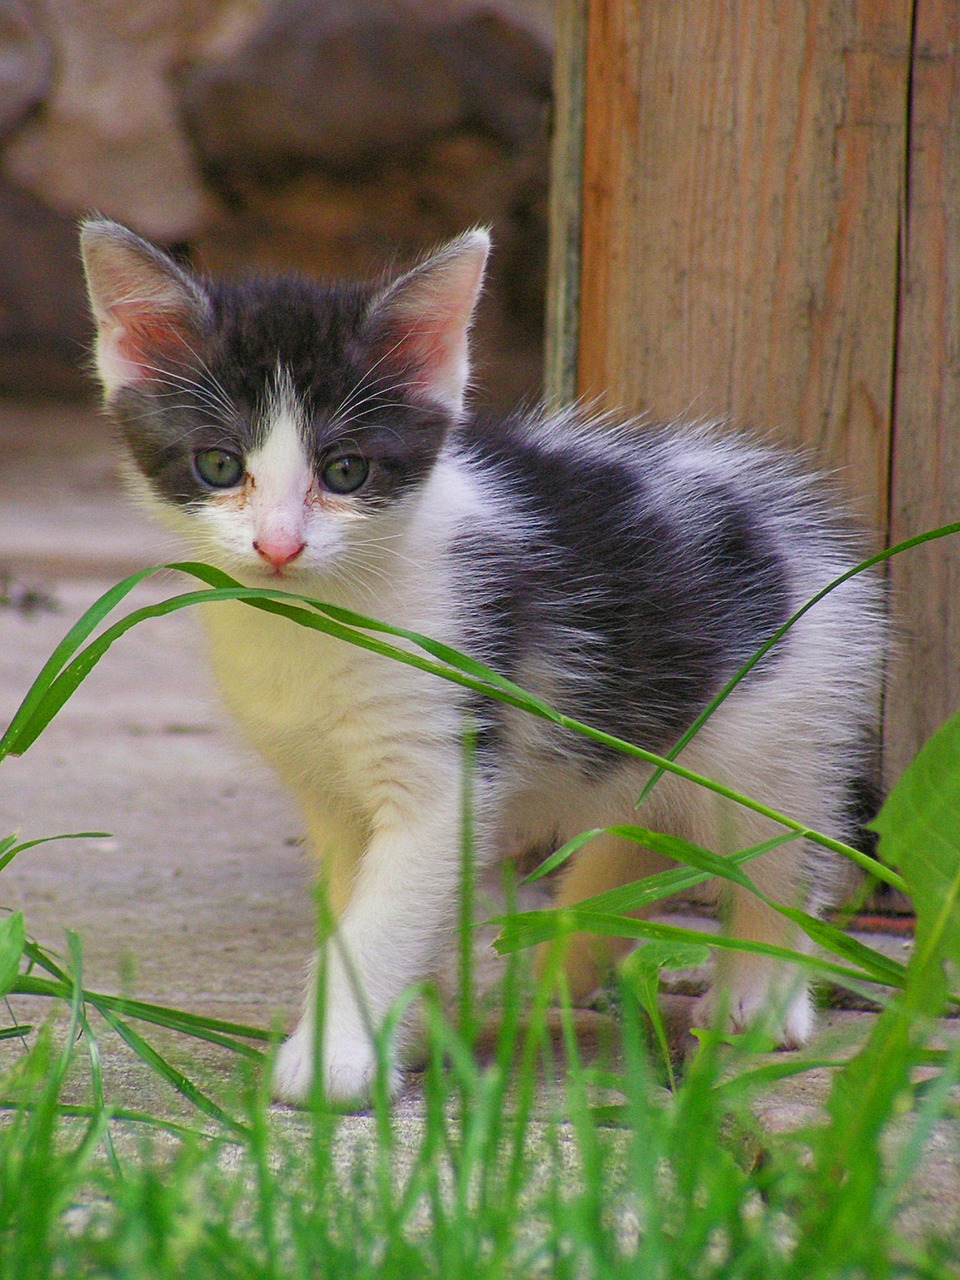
x: 9, y: 849
x: 12, y: 939
x: 527, y: 928
x: 62, y: 674
x: 919, y: 829
x: 641, y: 971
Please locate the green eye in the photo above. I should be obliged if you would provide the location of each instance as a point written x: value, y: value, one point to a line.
x: 218, y: 468
x: 345, y: 474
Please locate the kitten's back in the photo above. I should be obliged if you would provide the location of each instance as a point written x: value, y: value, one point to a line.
x: 653, y: 561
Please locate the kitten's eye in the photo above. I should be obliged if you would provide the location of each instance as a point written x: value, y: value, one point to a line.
x: 218, y: 468
x: 345, y: 474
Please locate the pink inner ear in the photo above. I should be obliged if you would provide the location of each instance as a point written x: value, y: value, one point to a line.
x: 426, y: 318
x: 424, y: 343
x: 143, y: 335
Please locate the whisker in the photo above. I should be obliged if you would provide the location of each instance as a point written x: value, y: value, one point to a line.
x: 365, y: 378
x: 181, y: 384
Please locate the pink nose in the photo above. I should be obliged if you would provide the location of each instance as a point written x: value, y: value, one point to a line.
x: 278, y: 551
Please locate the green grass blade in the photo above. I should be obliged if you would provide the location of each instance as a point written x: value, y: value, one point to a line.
x: 529, y: 928
x: 70, y: 643
x: 200, y: 1026
x: 40, y: 956
x: 12, y: 942
x: 125, y: 1114
x: 770, y: 1073
x: 682, y: 877
x: 355, y: 629
x: 663, y: 884
x: 641, y: 971
x: 62, y: 986
x: 567, y: 850
x: 16, y: 1032
x: 9, y: 850
x: 182, y: 1083
x: 230, y: 1035
x: 883, y: 969
x: 99, y: 1111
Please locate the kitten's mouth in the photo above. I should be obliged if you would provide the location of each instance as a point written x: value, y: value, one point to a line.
x: 283, y: 573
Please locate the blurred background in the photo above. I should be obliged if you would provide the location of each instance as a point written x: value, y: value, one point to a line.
x: 322, y: 135
x: 756, y: 219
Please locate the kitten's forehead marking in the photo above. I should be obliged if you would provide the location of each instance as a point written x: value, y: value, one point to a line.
x: 281, y: 462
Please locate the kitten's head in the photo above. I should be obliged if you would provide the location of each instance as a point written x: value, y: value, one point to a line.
x: 277, y: 421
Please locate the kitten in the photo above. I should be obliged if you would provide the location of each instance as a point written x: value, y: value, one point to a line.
x: 315, y: 438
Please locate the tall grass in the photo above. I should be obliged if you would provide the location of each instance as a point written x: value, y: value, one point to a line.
x: 522, y: 1160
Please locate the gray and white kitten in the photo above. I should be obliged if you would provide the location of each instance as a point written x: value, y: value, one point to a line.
x: 315, y: 437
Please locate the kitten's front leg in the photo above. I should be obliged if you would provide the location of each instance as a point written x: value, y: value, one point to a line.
x: 388, y: 936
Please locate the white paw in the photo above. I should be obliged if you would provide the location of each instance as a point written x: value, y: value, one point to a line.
x: 349, y: 1070
x: 786, y: 1016
x: 293, y: 1069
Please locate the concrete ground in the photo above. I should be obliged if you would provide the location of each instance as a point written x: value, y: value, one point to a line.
x: 199, y: 896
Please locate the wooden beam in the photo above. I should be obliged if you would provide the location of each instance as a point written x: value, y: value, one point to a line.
x: 566, y: 170
x: 925, y: 678
x: 743, y: 180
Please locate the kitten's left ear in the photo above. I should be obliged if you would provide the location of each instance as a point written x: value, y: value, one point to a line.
x: 423, y: 319
x: 146, y: 308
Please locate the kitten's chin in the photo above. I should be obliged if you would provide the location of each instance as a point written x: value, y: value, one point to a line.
x: 287, y: 575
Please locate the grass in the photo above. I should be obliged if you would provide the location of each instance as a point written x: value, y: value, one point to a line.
x: 523, y: 1160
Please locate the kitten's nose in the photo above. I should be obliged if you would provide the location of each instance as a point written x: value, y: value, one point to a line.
x: 279, y: 550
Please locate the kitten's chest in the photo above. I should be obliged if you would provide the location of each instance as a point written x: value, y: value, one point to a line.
x: 313, y: 703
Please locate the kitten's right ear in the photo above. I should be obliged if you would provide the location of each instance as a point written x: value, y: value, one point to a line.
x: 145, y: 307
x: 423, y: 319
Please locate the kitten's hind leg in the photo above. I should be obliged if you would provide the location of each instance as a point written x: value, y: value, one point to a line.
x: 605, y: 862
x: 756, y: 988
x: 751, y: 988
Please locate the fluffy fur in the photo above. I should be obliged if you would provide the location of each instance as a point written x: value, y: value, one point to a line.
x: 315, y: 437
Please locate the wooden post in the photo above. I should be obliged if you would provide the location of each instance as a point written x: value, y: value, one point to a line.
x: 769, y: 210
x: 566, y: 169
x: 924, y: 687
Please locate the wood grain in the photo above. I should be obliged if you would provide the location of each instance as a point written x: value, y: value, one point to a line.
x: 924, y: 685
x: 561, y: 337
x: 744, y: 171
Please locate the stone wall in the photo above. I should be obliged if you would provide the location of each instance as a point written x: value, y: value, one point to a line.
x: 320, y: 135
